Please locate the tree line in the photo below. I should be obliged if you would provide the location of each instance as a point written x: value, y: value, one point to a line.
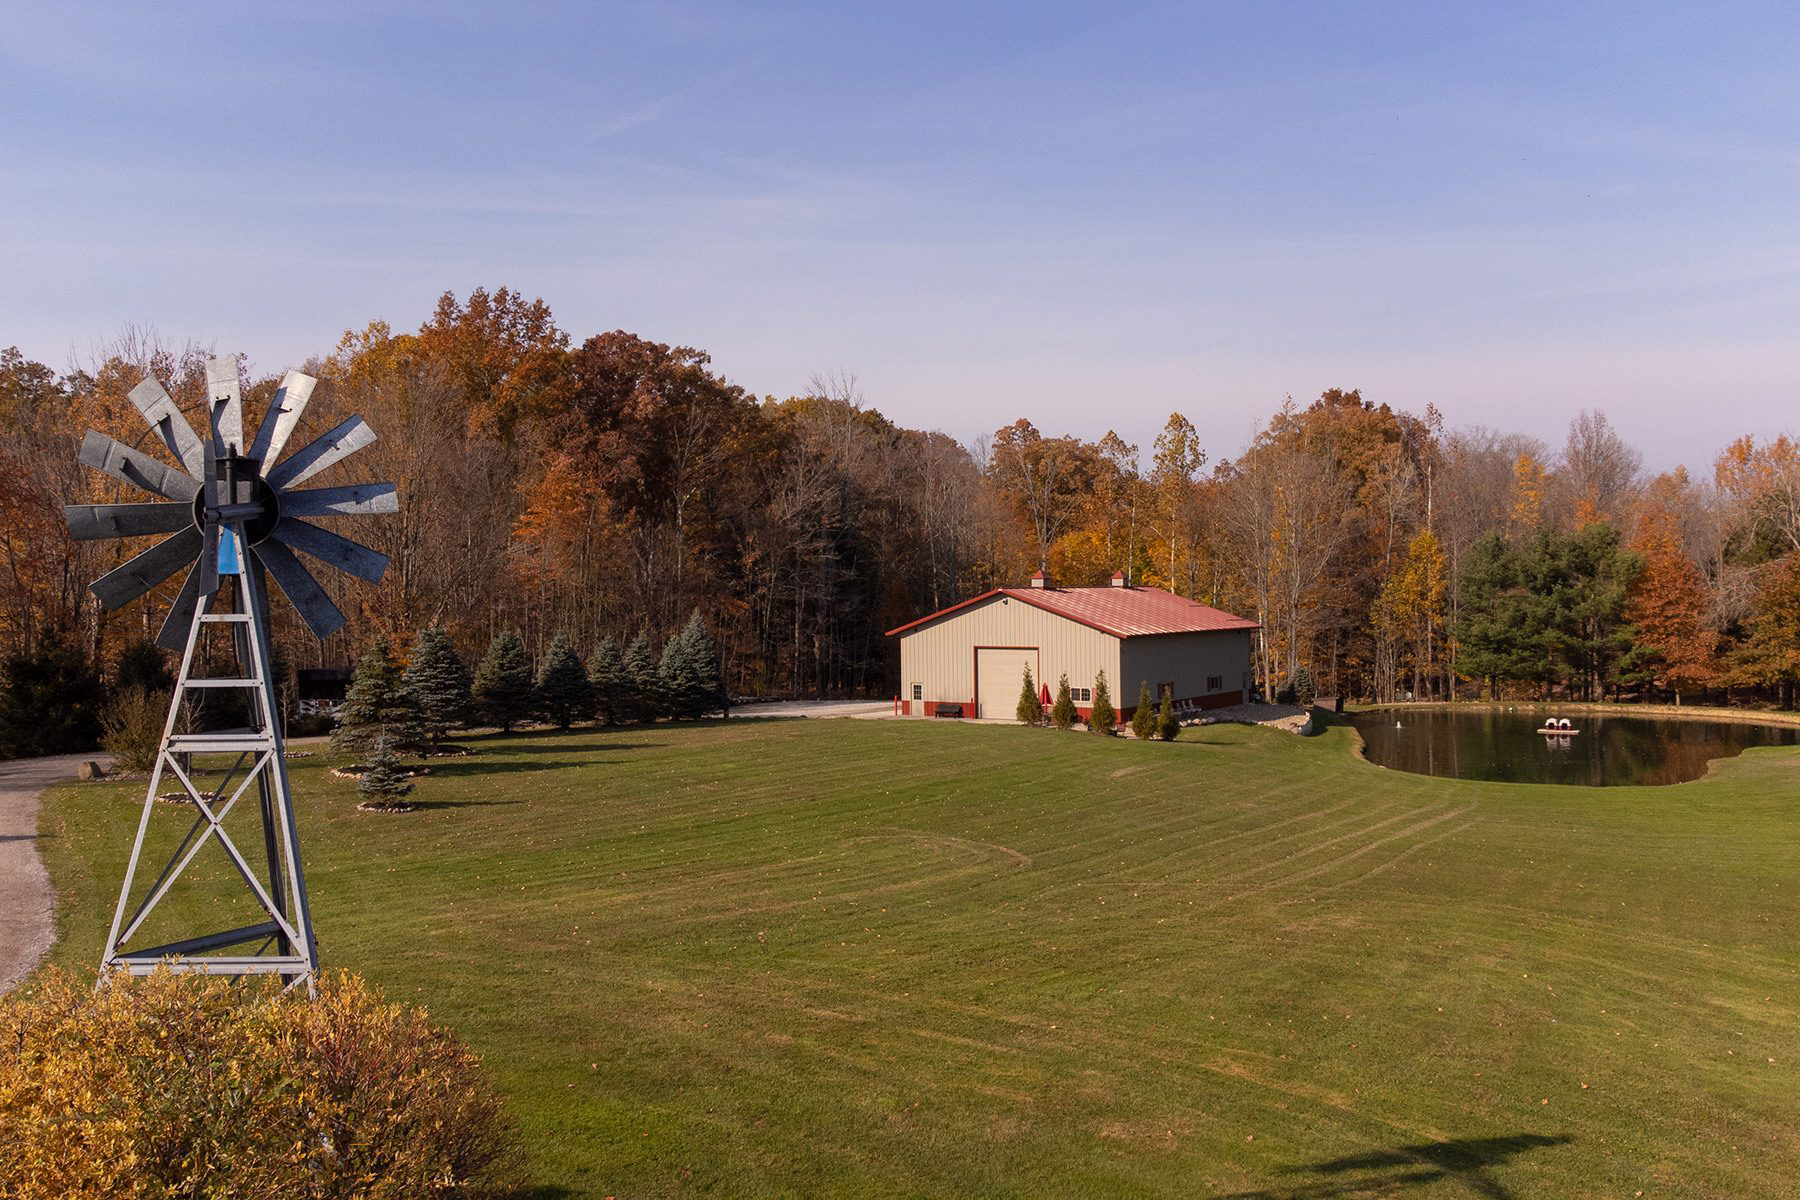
x: 613, y: 486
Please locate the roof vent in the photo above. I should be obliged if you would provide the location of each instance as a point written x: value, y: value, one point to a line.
x: 1039, y: 579
x: 1118, y: 579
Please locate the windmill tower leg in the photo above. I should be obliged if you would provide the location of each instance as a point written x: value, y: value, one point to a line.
x: 281, y: 890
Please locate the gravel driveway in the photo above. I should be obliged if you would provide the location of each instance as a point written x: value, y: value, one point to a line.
x: 27, y: 905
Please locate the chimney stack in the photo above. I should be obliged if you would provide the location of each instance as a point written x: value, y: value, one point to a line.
x: 1119, y: 579
x: 1039, y: 579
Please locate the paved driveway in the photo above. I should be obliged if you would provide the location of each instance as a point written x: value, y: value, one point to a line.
x: 27, y: 905
x: 815, y: 708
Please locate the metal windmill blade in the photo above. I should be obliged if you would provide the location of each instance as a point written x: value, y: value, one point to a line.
x: 231, y: 516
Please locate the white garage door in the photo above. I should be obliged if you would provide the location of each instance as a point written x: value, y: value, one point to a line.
x: 998, y: 674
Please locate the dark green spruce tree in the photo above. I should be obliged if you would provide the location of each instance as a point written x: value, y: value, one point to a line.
x: 643, y: 688
x: 564, y: 694
x: 606, y: 671
x: 383, y: 784
x: 50, y: 700
x: 439, y: 681
x: 503, y: 685
x: 378, y: 706
x: 706, y: 677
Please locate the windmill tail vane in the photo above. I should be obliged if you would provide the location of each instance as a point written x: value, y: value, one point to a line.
x: 233, y: 517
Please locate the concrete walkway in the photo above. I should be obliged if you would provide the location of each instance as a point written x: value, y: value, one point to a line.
x: 27, y: 905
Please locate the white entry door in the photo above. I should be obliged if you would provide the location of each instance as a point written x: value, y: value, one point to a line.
x: 998, y: 676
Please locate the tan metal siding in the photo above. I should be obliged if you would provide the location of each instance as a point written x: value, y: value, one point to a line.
x: 941, y: 655
x: 1185, y: 659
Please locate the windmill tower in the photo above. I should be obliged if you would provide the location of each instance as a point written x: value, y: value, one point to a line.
x: 232, y: 514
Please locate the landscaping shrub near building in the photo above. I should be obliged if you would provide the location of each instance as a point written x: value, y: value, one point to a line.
x: 132, y: 727
x: 184, y: 1085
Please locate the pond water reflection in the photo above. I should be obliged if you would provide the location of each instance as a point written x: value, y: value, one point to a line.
x: 1608, y: 751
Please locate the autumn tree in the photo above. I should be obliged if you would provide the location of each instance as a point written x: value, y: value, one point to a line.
x: 1674, y: 648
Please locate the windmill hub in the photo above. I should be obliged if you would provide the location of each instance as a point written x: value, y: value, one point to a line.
x: 240, y: 494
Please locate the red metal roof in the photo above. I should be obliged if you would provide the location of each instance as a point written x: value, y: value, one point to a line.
x: 1121, y: 611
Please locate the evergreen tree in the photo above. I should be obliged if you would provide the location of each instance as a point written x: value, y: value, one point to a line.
x: 1143, y: 717
x: 678, y: 678
x: 563, y: 694
x: 606, y: 671
x: 50, y: 700
x: 708, y: 681
x: 1062, y: 713
x: 642, y: 685
x: 503, y: 685
x: 1031, y: 709
x: 1168, y: 725
x: 439, y: 681
x: 145, y: 665
x: 383, y: 782
x: 378, y: 706
x: 1101, y: 717
x: 1304, y: 691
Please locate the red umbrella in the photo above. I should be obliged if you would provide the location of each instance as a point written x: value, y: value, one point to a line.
x: 1046, y: 695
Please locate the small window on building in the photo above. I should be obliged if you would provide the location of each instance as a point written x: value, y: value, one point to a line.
x: 1081, y: 695
x: 1215, y: 683
x: 918, y: 691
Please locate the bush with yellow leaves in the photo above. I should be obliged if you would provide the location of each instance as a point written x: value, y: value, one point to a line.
x: 184, y: 1085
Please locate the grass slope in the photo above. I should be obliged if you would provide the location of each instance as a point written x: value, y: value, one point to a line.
x: 923, y: 958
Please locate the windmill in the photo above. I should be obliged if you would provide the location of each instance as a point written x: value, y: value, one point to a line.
x: 233, y: 516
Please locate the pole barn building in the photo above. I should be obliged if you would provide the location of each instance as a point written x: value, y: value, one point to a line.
x: 970, y: 658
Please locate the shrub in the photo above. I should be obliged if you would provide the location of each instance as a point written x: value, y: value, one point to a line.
x: 503, y: 685
x: 1031, y: 708
x: 439, y: 681
x: 383, y: 784
x: 564, y: 694
x: 1101, y: 717
x: 1168, y: 725
x: 1143, y: 717
x: 1062, y: 713
x: 378, y: 706
x: 1304, y: 690
x: 132, y: 727
x: 185, y: 1085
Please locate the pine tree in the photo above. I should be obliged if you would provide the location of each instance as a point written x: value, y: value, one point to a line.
x: 503, y: 685
x: 1101, y: 717
x: 678, y: 677
x: 378, y: 706
x: 563, y: 694
x: 703, y: 659
x: 383, y: 782
x: 1143, y: 717
x: 1031, y: 709
x: 439, y: 681
x: 606, y: 671
x: 50, y: 700
x: 144, y: 665
x: 1062, y: 713
x: 1304, y: 691
x: 1168, y: 725
x: 643, y: 687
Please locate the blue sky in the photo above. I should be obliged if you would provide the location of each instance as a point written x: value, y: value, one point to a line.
x: 1088, y: 215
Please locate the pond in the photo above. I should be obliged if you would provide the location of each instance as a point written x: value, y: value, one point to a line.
x: 1605, y: 751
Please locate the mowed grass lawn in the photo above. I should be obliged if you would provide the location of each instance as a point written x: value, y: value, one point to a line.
x: 862, y: 958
